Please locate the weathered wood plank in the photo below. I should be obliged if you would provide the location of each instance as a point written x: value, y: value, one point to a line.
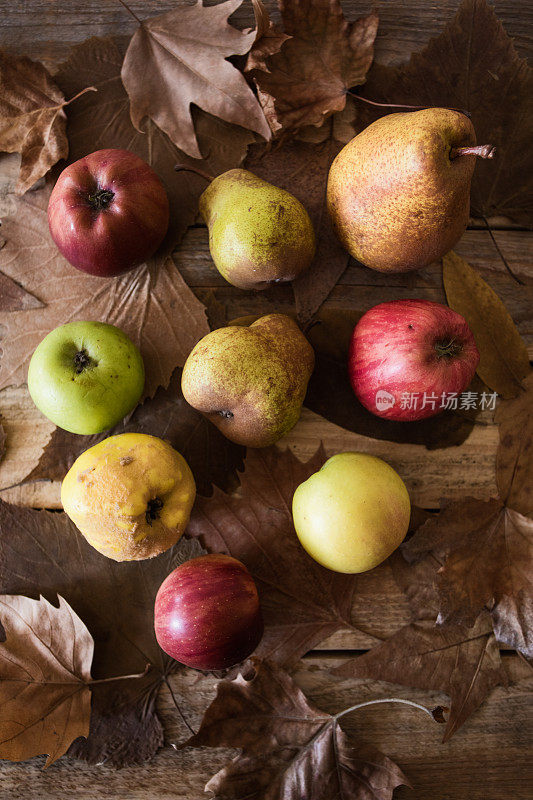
x: 429, y: 474
x: 485, y: 760
x: 46, y: 29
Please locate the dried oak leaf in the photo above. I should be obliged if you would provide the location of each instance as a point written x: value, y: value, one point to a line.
x: 302, y: 169
x: 41, y: 552
x: 486, y: 552
x: 462, y: 662
x: 330, y: 337
x: 290, y: 749
x: 32, y: 119
x: 179, y: 58
x: 45, y: 677
x: 473, y: 66
x: 504, y: 360
x: 514, y: 460
x: 152, y: 304
x: 102, y: 120
x: 212, y: 458
x: 302, y: 602
x: 307, y: 79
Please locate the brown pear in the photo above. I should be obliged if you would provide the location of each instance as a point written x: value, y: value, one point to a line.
x: 250, y: 381
x: 399, y: 193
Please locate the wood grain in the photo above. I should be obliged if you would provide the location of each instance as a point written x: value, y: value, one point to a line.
x: 485, y: 760
x: 31, y: 28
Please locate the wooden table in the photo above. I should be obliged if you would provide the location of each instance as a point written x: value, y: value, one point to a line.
x: 486, y: 759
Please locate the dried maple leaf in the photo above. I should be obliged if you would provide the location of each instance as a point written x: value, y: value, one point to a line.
x: 473, y: 66
x: 486, y: 552
x: 514, y: 461
x: 45, y: 676
x: 179, y: 58
x: 462, y: 662
x: 268, y: 40
x: 302, y: 602
x: 302, y: 169
x: 325, y: 55
x: 212, y: 458
x: 152, y: 304
x: 102, y: 120
x: 32, y: 119
x: 290, y: 749
x: 13, y: 297
x: 42, y: 553
x: 504, y: 360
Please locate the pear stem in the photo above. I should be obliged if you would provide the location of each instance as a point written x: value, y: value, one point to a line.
x: 200, y: 172
x: 480, y: 150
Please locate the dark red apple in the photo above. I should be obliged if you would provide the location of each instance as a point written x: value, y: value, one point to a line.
x: 108, y: 212
x: 207, y: 613
x: 408, y: 358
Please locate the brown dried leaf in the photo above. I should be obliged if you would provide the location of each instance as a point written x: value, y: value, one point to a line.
x: 152, y: 304
x: 101, y: 120
x: 179, y: 58
x: 14, y: 298
x: 290, y: 749
x: 302, y: 602
x: 212, y: 458
x: 32, y: 119
x: 307, y: 79
x: 473, y: 66
x: 42, y: 553
x: 45, y: 676
x: 2, y: 442
x: 486, y: 552
x: 464, y: 663
x: 302, y: 169
x: 514, y: 460
x: 504, y: 360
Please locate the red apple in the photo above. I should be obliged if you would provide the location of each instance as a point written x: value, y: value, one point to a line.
x: 207, y: 613
x: 108, y: 212
x: 408, y: 357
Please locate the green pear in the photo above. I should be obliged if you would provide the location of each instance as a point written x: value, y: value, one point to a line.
x: 259, y: 234
x: 399, y: 193
x: 250, y: 381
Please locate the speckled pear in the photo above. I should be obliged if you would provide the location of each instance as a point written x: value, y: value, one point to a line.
x: 259, y: 234
x: 250, y: 381
x: 399, y: 193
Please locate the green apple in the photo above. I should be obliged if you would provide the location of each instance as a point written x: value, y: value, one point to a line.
x: 352, y: 513
x: 86, y: 376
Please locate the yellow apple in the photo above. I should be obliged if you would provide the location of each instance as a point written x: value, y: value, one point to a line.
x: 130, y: 496
x: 352, y: 513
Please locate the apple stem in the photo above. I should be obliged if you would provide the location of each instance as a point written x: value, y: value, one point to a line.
x: 448, y: 348
x: 81, y: 361
x: 437, y: 713
x: 480, y: 150
x: 101, y: 199
x: 196, y: 170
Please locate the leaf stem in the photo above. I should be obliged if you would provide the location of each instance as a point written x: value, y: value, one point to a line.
x: 200, y: 172
x: 402, y: 105
x: 83, y: 91
x: 118, y: 678
x: 169, y: 687
x: 129, y: 10
x: 436, y: 714
x: 504, y: 260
